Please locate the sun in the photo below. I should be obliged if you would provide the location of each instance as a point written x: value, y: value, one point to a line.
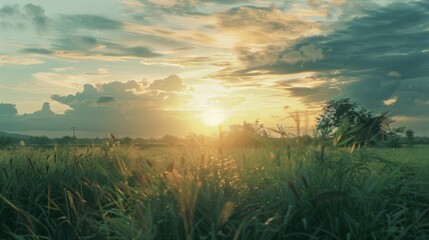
x: 214, y: 117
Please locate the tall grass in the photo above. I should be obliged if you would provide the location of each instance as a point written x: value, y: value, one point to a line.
x: 297, y: 192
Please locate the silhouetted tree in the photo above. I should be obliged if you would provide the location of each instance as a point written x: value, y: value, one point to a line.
x: 66, y: 140
x: 410, y: 137
x: 126, y: 140
x: 247, y: 134
x: 41, y: 141
x: 349, y: 123
x: 5, y: 141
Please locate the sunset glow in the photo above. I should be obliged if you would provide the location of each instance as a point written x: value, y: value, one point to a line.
x: 213, y: 117
x: 149, y: 68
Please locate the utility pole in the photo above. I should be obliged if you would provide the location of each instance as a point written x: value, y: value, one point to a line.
x: 74, y: 131
x: 297, y: 120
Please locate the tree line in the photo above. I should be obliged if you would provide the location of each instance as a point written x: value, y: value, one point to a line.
x: 343, y: 122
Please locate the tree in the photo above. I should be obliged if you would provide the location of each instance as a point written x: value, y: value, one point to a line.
x: 126, y: 140
x: 410, y: 137
x: 41, y: 141
x: 247, y: 134
x: 5, y: 141
x: 66, y: 140
x: 347, y: 122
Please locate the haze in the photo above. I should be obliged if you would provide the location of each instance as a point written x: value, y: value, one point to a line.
x: 149, y: 68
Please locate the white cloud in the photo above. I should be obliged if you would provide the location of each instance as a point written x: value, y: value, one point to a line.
x: 12, y: 60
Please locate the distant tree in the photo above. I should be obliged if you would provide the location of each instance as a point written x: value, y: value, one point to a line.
x: 5, y: 141
x: 41, y: 141
x: 392, y: 135
x: 349, y: 123
x: 170, y: 140
x: 247, y: 134
x: 410, y: 137
x: 66, y: 140
x: 126, y: 140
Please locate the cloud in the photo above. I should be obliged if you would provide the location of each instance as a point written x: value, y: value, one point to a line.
x: 170, y: 35
x: 17, y: 17
x: 259, y: 36
x: 45, y: 111
x: 76, y: 43
x: 172, y: 90
x: 225, y: 1
x: 128, y: 95
x: 8, y: 109
x: 12, y: 60
x: 314, y: 95
x: 37, y: 16
x: 11, y: 17
x: 376, y: 56
x: 86, y: 97
x: 89, y: 47
x: 262, y: 25
x: 93, y: 22
x: 9, y: 10
x: 306, y: 53
x: 171, y: 84
x: 42, y: 51
x: 105, y: 99
x: 129, y: 108
x: 138, y: 51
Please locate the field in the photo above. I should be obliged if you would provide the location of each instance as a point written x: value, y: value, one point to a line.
x: 292, y: 191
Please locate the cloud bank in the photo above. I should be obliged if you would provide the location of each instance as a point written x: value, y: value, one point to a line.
x: 128, y: 108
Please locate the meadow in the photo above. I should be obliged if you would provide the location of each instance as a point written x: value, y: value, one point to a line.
x: 291, y: 191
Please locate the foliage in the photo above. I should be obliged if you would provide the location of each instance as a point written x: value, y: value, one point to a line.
x: 393, y: 136
x: 247, y: 134
x: 66, y: 140
x: 354, y: 124
x: 5, y: 141
x: 410, y: 137
x: 41, y: 141
x: 265, y: 193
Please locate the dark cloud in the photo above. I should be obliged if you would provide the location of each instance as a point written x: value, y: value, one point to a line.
x: 89, y: 45
x: 380, y: 55
x: 8, y: 109
x: 37, y: 16
x: 311, y: 95
x: 105, y: 99
x: 84, y: 98
x: 45, y: 111
x: 92, y: 22
x: 9, y: 10
x: 155, y: 10
x: 11, y: 17
x: 76, y: 43
x: 17, y: 17
x: 42, y: 51
x: 138, y: 51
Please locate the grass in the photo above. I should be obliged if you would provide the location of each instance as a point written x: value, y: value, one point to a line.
x: 186, y: 193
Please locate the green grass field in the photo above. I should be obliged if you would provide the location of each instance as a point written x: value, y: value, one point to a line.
x: 296, y: 192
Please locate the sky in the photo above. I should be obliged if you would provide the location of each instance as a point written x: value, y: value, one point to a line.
x: 145, y: 68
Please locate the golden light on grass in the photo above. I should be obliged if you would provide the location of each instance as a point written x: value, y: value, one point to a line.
x: 214, y: 117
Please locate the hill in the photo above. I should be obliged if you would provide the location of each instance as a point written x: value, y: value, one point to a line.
x: 14, y: 135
